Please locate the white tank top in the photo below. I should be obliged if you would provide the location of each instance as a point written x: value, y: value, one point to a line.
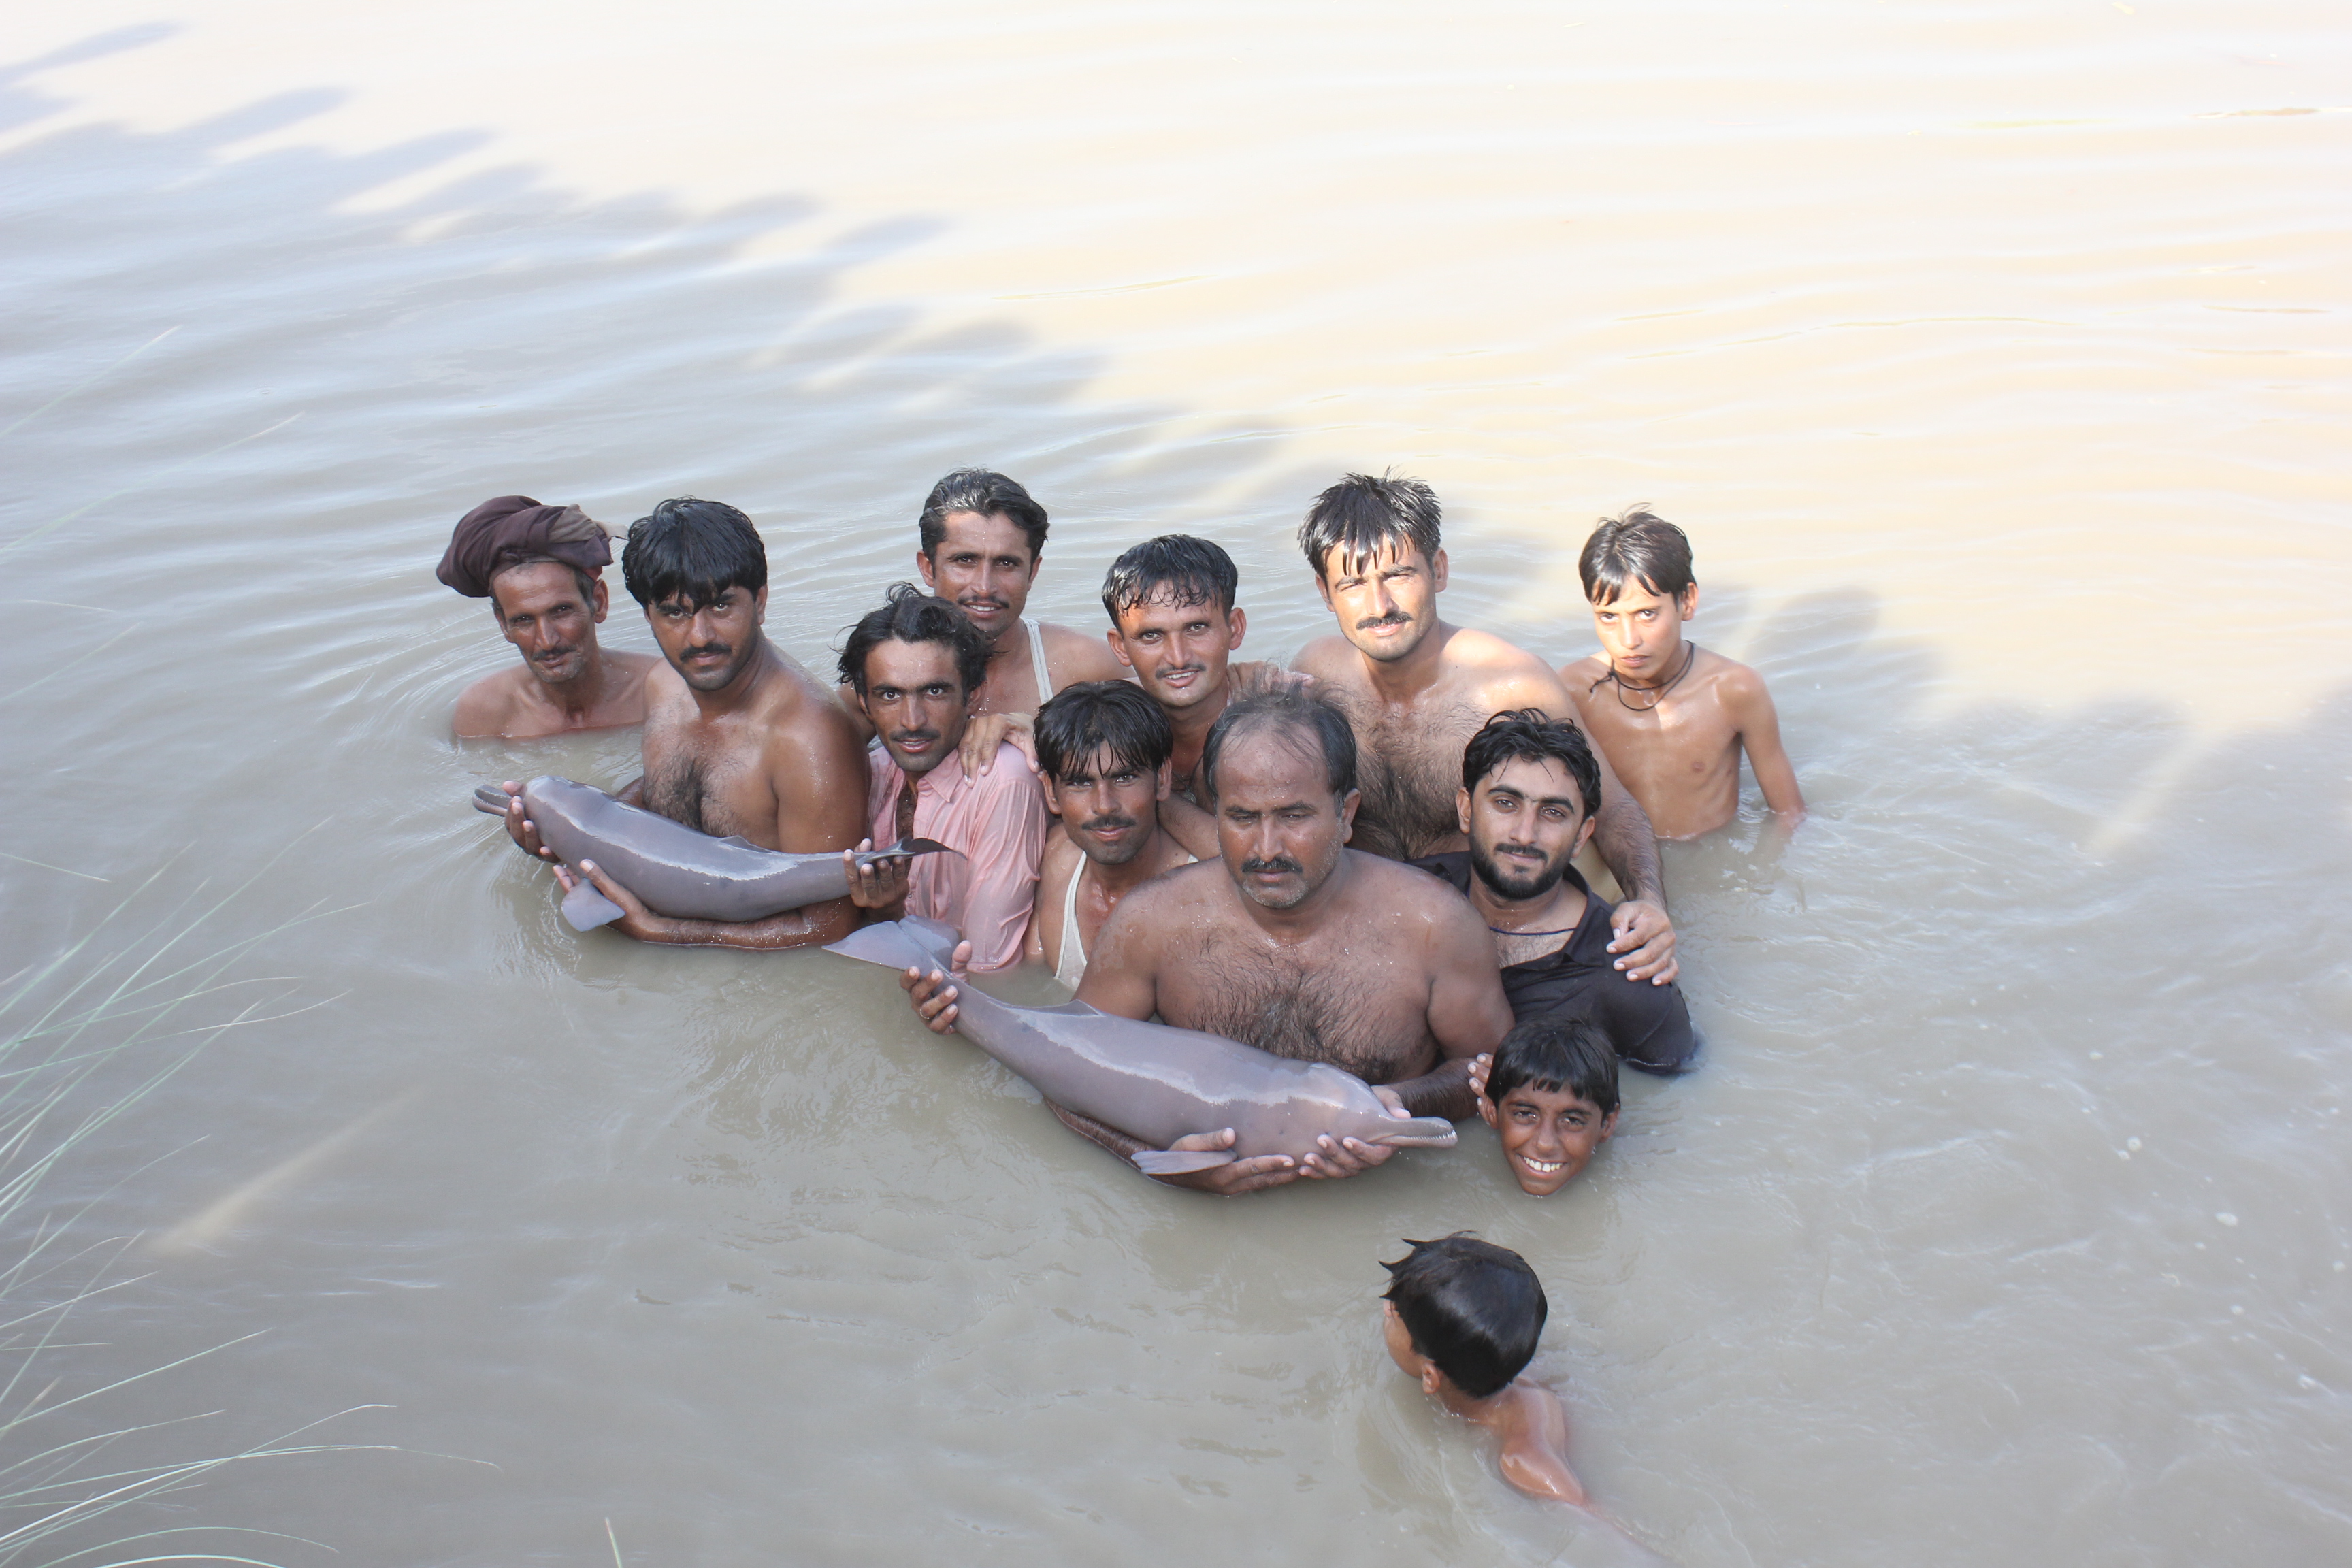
x: 1037, y: 661
x: 1072, y: 967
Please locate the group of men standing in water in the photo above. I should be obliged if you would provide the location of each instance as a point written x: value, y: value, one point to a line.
x: 1242, y: 848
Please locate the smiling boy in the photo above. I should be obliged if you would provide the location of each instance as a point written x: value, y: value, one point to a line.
x: 1671, y: 717
x: 1551, y: 1094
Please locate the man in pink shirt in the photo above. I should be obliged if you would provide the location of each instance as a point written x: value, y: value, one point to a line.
x: 915, y: 665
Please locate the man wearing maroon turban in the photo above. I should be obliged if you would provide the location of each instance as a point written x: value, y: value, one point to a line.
x: 538, y: 566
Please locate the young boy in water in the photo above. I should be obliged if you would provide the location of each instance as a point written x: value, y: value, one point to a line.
x: 1671, y: 717
x: 1549, y: 1091
x: 1463, y: 1316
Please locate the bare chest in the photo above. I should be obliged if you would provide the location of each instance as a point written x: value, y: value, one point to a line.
x: 712, y: 780
x: 1354, y: 1005
x: 1408, y: 765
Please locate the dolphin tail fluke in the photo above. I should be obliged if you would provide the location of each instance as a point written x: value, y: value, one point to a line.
x: 1421, y: 1132
x: 923, y: 847
x: 587, y: 909
x: 898, y: 944
x: 1178, y: 1163
x: 492, y: 799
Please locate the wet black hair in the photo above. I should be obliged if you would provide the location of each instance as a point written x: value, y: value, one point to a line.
x: 1291, y: 713
x: 1093, y: 715
x: 695, y: 550
x: 1360, y: 516
x: 1475, y: 1309
x: 910, y: 614
x: 1531, y: 734
x: 1175, y: 567
x: 1640, y: 546
x: 990, y: 494
x: 1558, y: 1055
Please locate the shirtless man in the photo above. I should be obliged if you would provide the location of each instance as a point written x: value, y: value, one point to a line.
x: 1175, y: 627
x: 539, y: 567
x: 1103, y: 747
x: 1295, y: 943
x: 1416, y: 689
x: 739, y: 739
x: 1673, y: 717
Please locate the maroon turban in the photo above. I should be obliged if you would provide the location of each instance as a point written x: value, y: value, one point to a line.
x: 511, y: 530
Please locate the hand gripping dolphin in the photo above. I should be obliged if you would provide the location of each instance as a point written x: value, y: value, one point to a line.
x: 676, y: 870
x: 1151, y: 1080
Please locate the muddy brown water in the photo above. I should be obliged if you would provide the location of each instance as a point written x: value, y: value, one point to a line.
x: 1995, y: 358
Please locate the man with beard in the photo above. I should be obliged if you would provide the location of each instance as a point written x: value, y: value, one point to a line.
x: 739, y: 738
x: 1526, y: 782
x: 1416, y: 689
x: 914, y: 665
x: 541, y: 568
x: 1295, y: 943
x: 1103, y: 746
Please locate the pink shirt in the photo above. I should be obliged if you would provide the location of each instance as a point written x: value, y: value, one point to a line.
x: 998, y: 819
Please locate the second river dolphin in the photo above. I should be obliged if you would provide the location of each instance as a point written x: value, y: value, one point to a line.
x: 1156, y: 1082
x: 676, y: 870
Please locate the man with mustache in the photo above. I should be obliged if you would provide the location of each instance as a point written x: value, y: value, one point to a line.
x: 542, y: 569
x: 1292, y: 942
x: 982, y: 541
x: 915, y: 664
x: 1103, y: 746
x: 1526, y: 780
x: 1416, y: 689
x: 739, y: 738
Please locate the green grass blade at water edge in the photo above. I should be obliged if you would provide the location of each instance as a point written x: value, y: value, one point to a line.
x: 122, y: 993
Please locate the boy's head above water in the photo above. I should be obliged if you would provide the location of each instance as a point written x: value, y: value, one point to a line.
x: 1637, y: 575
x: 1463, y: 1311
x: 1551, y: 1098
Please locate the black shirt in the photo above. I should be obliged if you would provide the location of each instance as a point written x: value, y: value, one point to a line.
x: 1649, y: 1024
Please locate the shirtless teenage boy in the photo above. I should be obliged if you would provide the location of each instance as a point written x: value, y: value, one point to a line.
x: 541, y: 568
x: 739, y: 738
x: 1672, y: 716
x: 1103, y: 746
x: 1416, y: 689
x: 1295, y: 943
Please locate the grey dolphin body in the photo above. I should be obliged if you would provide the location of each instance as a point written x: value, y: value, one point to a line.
x: 1154, y: 1081
x: 676, y: 870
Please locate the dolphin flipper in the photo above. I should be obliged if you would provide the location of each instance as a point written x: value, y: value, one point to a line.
x: 492, y: 799
x: 1176, y: 1162
x: 587, y: 909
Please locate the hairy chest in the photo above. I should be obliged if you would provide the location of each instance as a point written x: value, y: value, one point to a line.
x: 1356, y: 1005
x: 713, y: 780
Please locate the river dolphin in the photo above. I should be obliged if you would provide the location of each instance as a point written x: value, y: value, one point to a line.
x: 676, y: 870
x: 1156, y: 1082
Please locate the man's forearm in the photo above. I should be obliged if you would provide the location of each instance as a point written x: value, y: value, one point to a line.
x: 1628, y: 849
x: 1444, y: 1092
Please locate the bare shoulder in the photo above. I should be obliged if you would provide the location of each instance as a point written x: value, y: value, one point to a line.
x: 1578, y: 675
x: 635, y: 666
x: 1055, y: 867
x: 1410, y: 892
x: 1735, y: 681
x: 485, y: 707
x: 1332, y: 660
x: 1498, y: 674
x: 1076, y: 656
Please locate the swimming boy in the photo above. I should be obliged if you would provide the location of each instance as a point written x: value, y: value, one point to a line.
x: 1550, y: 1092
x: 1669, y: 716
x: 1463, y: 1316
